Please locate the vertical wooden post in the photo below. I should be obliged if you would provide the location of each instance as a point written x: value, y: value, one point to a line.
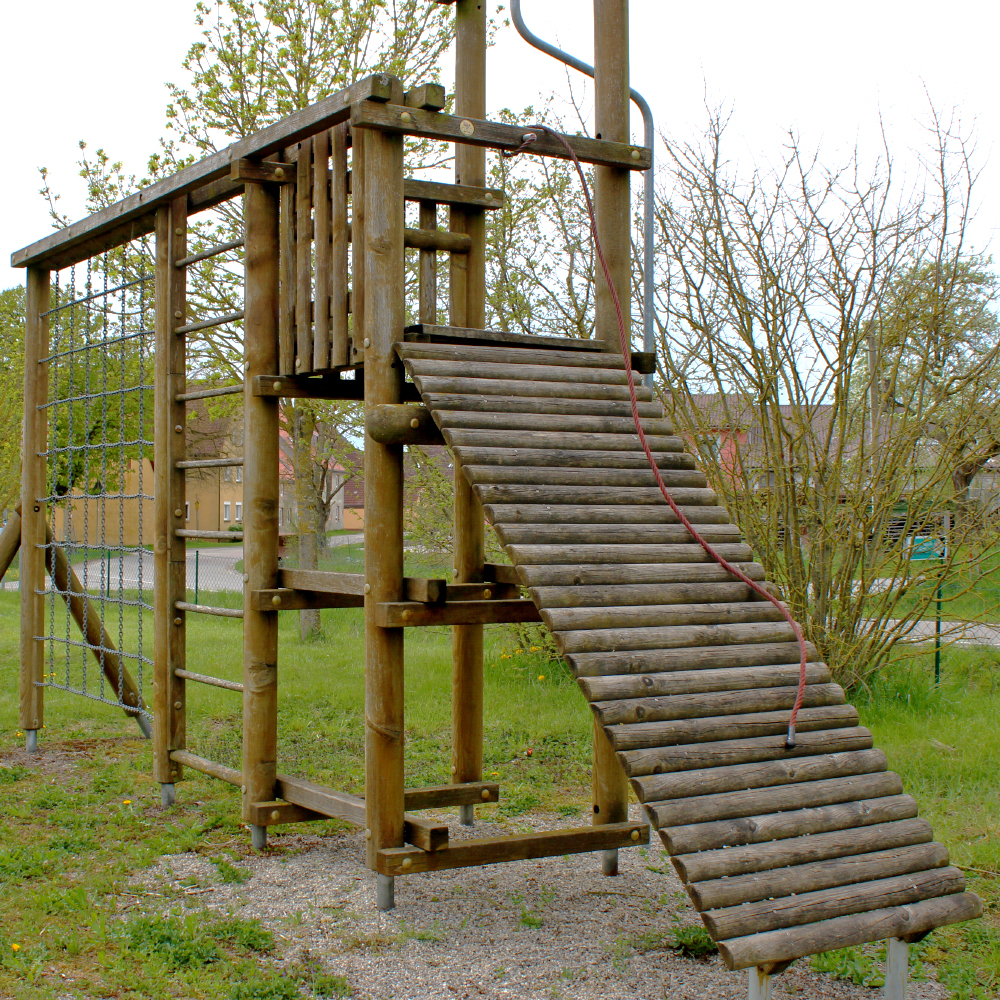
x: 468, y: 303
x: 260, y: 501
x: 169, y: 553
x: 428, y: 268
x: 338, y: 248
x: 34, y: 434
x: 357, y: 246
x: 303, y: 255
x: 287, y: 265
x: 384, y: 323
x: 611, y: 191
x: 324, y: 220
x: 897, y: 971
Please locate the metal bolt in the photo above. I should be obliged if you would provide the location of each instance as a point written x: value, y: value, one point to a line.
x: 279, y: 172
x: 487, y: 593
x: 466, y: 127
x: 414, y: 423
x: 489, y: 195
x: 276, y: 601
x: 368, y: 341
x: 275, y: 815
x: 243, y: 789
x: 178, y: 512
x: 368, y: 588
x: 486, y: 794
x: 635, y: 154
x: 407, y: 863
x: 178, y: 705
x: 406, y: 117
x: 298, y: 362
x: 276, y: 386
x: 178, y: 621
x: 178, y: 428
x: 368, y: 835
x: 177, y: 314
x: 454, y: 769
x: 635, y: 834
x: 179, y: 231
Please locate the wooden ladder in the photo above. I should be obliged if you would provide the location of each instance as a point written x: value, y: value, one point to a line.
x: 783, y: 853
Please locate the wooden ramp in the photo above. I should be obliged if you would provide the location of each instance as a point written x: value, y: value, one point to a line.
x: 784, y: 853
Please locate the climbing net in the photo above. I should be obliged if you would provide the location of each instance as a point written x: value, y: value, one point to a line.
x: 99, y: 406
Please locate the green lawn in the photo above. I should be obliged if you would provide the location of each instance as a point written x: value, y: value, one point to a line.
x: 70, y: 838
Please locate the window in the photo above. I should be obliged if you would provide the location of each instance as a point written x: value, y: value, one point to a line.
x: 281, y: 515
x: 239, y: 473
x: 187, y: 511
x: 225, y: 512
x: 239, y: 512
x: 227, y: 474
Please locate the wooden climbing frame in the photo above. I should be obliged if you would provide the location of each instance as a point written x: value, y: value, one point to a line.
x: 689, y: 677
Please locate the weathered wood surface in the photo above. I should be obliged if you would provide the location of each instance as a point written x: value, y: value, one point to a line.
x: 552, y: 458
x: 722, y: 863
x: 573, y: 423
x: 405, y: 614
x: 10, y: 540
x: 758, y: 774
x: 727, y: 753
x: 470, y: 437
x: 528, y: 357
x: 722, y: 892
x: 495, y: 135
x: 452, y: 194
x: 842, y: 932
x: 443, y: 796
x: 401, y: 423
x: 639, y: 594
x: 678, y: 552
x: 543, y: 372
x: 489, y: 475
x: 572, y: 586
x: 461, y: 384
x: 629, y: 495
x: 461, y: 333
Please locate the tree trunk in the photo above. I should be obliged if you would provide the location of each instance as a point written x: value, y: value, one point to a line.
x: 305, y: 498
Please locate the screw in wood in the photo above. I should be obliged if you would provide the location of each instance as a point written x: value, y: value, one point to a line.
x: 276, y: 601
x: 178, y: 705
x: 275, y: 815
x: 414, y: 423
x: 178, y: 621
x: 178, y: 512
x: 407, y: 863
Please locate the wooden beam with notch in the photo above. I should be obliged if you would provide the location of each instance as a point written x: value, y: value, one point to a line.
x: 427, y: 97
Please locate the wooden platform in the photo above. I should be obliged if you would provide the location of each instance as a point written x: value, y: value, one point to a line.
x: 784, y: 854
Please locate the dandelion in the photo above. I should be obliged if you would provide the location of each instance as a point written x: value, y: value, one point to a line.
x: 126, y: 802
x: 494, y: 774
x: 15, y: 947
x: 541, y: 677
x: 519, y: 651
x: 535, y: 649
x: 19, y: 733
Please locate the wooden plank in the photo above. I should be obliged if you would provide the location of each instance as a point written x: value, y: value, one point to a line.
x: 494, y: 135
x: 640, y: 594
x: 520, y: 847
x: 303, y: 259
x: 405, y: 614
x: 556, y: 441
x: 597, y: 620
x: 729, y: 646
x: 843, y: 842
x: 322, y: 582
x: 452, y: 194
x: 679, y: 732
x: 428, y: 97
x: 285, y: 599
x: 508, y: 370
x: 470, y: 385
x: 459, y: 332
x: 310, y: 795
x: 724, y: 753
x: 443, y: 796
x: 324, y: 250
x: 331, y: 386
x: 566, y: 586
x: 261, y: 171
x: 762, y: 774
x: 697, y: 809
x: 723, y: 892
x: 609, y: 514
x: 478, y: 420
x: 286, y: 279
x: 34, y: 443
x: 594, y: 555
x: 135, y: 216
x: 631, y: 535
x: 427, y: 308
x: 511, y: 355
x: 599, y: 689
x: 825, y: 904
x: 573, y: 458
x: 339, y: 266
x: 778, y: 826
x: 278, y: 812
x: 261, y: 496
x: 625, y: 495
x: 499, y: 573
x: 492, y: 475
x: 537, y: 406
x: 842, y: 932
x: 709, y: 704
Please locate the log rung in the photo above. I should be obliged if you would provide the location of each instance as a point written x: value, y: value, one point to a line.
x: 206, y: 324
x: 209, y: 463
x: 218, y: 682
x: 229, y: 536
x: 210, y: 252
x: 206, y: 609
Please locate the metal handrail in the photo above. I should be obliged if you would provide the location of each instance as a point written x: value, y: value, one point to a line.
x: 648, y: 339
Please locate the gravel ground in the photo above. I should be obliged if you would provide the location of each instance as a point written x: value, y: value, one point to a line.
x: 531, y: 929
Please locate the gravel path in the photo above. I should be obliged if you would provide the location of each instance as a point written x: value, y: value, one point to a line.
x: 532, y: 929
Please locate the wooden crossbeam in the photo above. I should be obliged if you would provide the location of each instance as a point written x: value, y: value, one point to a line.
x: 405, y: 614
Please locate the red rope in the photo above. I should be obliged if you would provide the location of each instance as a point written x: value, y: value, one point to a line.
x: 528, y: 139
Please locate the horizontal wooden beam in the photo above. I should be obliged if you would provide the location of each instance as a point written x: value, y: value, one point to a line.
x: 441, y: 796
x: 133, y: 216
x: 424, y: 332
x: 403, y: 614
x: 415, y: 588
x: 286, y: 599
x: 452, y: 194
x: 495, y: 135
x: 328, y: 385
x: 501, y: 573
x: 271, y: 813
x: 521, y: 847
x: 402, y: 423
x: 265, y: 171
x: 428, y: 96
x: 436, y: 239
x: 209, y: 767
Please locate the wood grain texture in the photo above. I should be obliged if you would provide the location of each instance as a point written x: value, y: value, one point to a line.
x: 339, y: 265
x: 625, y: 495
x: 577, y: 585
x: 572, y: 458
x: 639, y: 594
x: 487, y: 475
x: 513, y: 360
x: 323, y: 224
x: 543, y: 407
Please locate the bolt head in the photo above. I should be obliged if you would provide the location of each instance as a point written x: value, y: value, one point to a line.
x: 368, y: 588
x: 406, y: 117
x: 635, y: 154
x: 487, y: 593
x: 178, y: 705
x: 368, y: 835
x: 635, y: 835
x: 178, y: 428
x: 466, y: 127
x: 246, y: 577
x: 454, y: 769
x: 178, y: 512
x: 407, y: 863
x: 178, y: 231
x: 414, y: 423
x: 177, y: 314
x: 279, y: 172
x: 368, y: 341
x: 178, y: 621
x: 276, y: 386
x: 243, y: 789
x: 275, y: 815
x: 276, y: 601
x: 298, y: 362
x: 485, y: 794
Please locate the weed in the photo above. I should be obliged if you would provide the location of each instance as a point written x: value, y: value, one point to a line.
x: 230, y: 873
x: 248, y: 934
x: 433, y: 933
x: 531, y: 920
x: 178, y: 943
x: 10, y: 775
x: 650, y: 941
x: 271, y: 985
x: 691, y: 940
x: 855, y: 963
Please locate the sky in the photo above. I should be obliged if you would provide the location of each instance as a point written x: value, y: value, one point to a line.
x: 97, y: 72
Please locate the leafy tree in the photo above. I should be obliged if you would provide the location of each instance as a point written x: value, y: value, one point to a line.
x: 11, y: 394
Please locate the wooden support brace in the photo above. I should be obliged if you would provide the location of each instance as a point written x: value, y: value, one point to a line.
x: 267, y: 171
x: 404, y: 614
x: 272, y: 813
x: 521, y: 847
x: 286, y: 599
x: 402, y: 423
x: 442, y: 796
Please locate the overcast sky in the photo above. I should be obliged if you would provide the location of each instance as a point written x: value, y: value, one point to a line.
x: 96, y: 72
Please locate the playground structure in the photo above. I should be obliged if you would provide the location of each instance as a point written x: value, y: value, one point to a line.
x: 689, y: 675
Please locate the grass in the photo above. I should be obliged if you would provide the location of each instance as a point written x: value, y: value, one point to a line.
x: 70, y: 842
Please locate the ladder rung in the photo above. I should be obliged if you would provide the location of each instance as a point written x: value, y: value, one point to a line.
x: 206, y: 323
x: 206, y: 609
x: 225, y: 390
x: 209, y: 767
x: 228, y: 536
x: 208, y: 463
x: 210, y: 252
x: 211, y: 681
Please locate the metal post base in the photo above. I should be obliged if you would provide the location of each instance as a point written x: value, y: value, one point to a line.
x: 467, y: 814
x: 609, y: 862
x: 385, y: 892
x: 258, y: 837
x: 168, y: 794
x: 31, y: 740
x: 896, y: 969
x: 143, y: 723
x: 760, y: 987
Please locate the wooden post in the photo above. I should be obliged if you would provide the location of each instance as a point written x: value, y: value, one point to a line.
x: 611, y: 192
x: 169, y: 551
x: 260, y: 502
x: 357, y: 245
x: 34, y: 433
x: 382, y: 184
x: 897, y: 970
x: 468, y: 308
x: 324, y: 220
x: 338, y: 252
x: 303, y: 257
x: 287, y: 265
x: 428, y: 268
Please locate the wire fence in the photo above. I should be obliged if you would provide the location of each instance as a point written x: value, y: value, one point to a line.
x: 99, y: 475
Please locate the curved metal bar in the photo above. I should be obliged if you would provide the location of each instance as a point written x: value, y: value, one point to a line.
x: 649, y: 338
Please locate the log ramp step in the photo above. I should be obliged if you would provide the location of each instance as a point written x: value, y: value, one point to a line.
x: 692, y: 677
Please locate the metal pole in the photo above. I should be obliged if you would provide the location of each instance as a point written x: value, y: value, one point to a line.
x: 195, y: 576
x: 896, y: 969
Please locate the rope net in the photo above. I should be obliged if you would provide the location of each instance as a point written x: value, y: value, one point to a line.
x: 99, y: 476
